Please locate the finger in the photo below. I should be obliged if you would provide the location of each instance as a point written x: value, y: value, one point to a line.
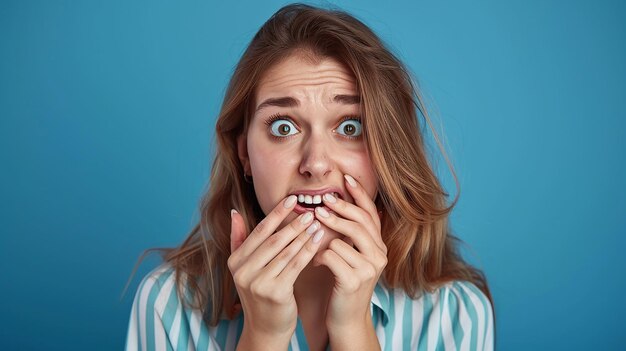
x: 237, y: 230
x: 361, y: 198
x: 268, y: 225
x: 276, y: 243
x: 292, y: 270
x: 281, y: 260
x: 337, y: 265
x: 365, y: 266
x: 354, y: 213
x: 355, y: 231
x: 353, y: 258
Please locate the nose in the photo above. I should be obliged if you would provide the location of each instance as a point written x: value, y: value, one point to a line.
x: 316, y: 163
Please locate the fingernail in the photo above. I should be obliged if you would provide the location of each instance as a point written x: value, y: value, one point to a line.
x: 318, y: 236
x: 291, y: 200
x: 330, y: 198
x: 322, y: 212
x: 350, y: 180
x: 232, y: 212
x: 307, y: 217
x: 313, y: 227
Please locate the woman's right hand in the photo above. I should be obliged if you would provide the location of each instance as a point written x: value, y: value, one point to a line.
x: 265, y: 265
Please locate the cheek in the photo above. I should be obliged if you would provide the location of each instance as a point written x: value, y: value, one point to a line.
x: 363, y: 171
x: 271, y: 169
x: 270, y: 163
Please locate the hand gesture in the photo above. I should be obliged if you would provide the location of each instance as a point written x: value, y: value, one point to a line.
x: 265, y: 265
x: 356, y: 268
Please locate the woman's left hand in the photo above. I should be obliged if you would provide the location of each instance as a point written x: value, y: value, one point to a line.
x: 356, y: 269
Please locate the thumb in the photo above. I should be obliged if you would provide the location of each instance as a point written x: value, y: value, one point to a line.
x: 237, y: 230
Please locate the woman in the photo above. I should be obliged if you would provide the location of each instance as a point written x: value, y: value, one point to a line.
x: 324, y: 225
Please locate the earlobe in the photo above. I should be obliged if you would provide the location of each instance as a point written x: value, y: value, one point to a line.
x: 242, y: 152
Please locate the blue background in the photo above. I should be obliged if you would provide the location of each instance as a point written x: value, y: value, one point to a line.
x: 107, y: 111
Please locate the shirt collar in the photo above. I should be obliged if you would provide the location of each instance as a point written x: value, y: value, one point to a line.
x: 380, y: 300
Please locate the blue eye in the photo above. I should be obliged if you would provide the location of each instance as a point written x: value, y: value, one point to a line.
x: 283, y: 128
x: 350, y: 127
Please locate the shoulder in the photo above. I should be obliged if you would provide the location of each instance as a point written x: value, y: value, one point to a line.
x: 465, y: 315
x: 463, y: 295
x: 157, y: 288
x: 159, y: 319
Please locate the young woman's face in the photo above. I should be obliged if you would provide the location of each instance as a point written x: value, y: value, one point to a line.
x: 305, y: 134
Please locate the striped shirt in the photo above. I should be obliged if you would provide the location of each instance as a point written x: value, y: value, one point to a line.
x: 457, y: 316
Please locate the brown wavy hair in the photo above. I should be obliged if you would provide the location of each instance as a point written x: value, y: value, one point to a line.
x: 422, y: 252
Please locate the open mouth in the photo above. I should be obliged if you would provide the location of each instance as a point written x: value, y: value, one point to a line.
x: 312, y: 206
x: 310, y: 202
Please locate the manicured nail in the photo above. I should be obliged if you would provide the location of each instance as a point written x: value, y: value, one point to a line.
x: 307, y: 217
x: 318, y: 236
x: 350, y: 180
x: 322, y: 212
x: 232, y: 212
x: 313, y: 227
x: 330, y: 198
x: 291, y: 200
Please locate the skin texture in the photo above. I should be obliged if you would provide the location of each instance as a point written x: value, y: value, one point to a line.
x: 317, y: 156
x: 280, y: 271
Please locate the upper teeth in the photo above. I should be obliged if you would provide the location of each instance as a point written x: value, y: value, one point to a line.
x: 312, y: 199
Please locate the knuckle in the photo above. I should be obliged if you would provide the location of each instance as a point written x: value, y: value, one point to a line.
x: 239, y: 279
x: 294, y: 225
x: 369, y: 272
x: 383, y: 258
x: 365, y: 217
x: 231, y: 264
x: 334, y: 244
x: 260, y: 228
x: 310, y: 249
x: 256, y: 288
x: 383, y: 261
x: 360, y: 228
x: 297, y: 262
x: 327, y: 254
x: 285, y: 254
x: 273, y: 240
x: 276, y: 298
x: 341, y: 205
x: 333, y: 218
x: 279, y: 212
x: 363, y: 227
x: 385, y: 250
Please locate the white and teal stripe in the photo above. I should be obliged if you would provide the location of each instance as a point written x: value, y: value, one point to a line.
x: 458, y: 316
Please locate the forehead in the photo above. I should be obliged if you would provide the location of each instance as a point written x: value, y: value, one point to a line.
x: 296, y: 73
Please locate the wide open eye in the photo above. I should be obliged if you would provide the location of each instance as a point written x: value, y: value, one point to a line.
x: 283, y: 128
x: 350, y: 127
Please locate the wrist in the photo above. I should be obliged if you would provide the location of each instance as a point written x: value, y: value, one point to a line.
x: 353, y: 325
x: 358, y: 335
x: 255, y: 339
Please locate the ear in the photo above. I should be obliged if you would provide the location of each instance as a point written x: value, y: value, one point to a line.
x: 242, y: 152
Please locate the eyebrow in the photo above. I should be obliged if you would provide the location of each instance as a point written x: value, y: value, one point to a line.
x: 288, y: 101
